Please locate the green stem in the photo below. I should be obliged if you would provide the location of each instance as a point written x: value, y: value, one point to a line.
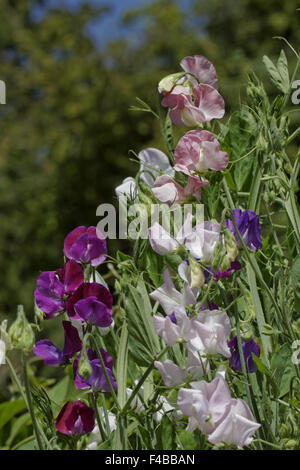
x: 98, y: 418
x: 142, y: 380
x: 29, y: 402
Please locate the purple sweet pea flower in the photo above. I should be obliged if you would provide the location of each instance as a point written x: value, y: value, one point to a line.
x: 91, y: 303
x: 97, y: 381
x: 248, y: 225
x: 54, y: 356
x: 249, y: 347
x: 76, y: 418
x: 85, y: 245
x: 53, y: 287
x: 208, y: 272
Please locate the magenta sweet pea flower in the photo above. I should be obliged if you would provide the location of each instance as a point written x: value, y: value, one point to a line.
x: 97, y: 381
x: 54, y: 287
x: 199, y: 151
x: 92, y: 303
x: 249, y: 227
x: 248, y: 347
x: 75, y: 418
x: 54, y: 356
x: 85, y: 245
x: 217, y: 275
x: 192, y: 107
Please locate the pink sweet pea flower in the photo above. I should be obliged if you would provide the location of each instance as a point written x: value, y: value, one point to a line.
x: 199, y: 151
x: 169, y: 192
x: 194, y: 107
x: 202, y: 68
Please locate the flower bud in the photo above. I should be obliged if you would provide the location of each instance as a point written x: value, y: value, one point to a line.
x: 20, y: 333
x: 230, y: 245
x: 197, y: 276
x: 84, y: 367
x: 220, y: 260
x: 167, y: 83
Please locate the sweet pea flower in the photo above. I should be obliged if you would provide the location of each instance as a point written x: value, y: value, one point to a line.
x: 2, y: 352
x: 172, y: 332
x: 173, y: 375
x: 170, y: 192
x: 248, y: 347
x: 75, y: 418
x: 161, y: 240
x: 54, y: 356
x: 213, y: 330
x: 54, y: 287
x: 237, y: 427
x: 85, y: 245
x: 248, y: 226
x: 199, y: 151
x: 202, y: 240
x: 153, y: 162
x: 127, y: 188
x: 97, y: 381
x: 193, y: 107
x: 202, y: 68
x: 217, y: 275
x: 92, y: 303
x: 170, y: 298
x: 206, y: 404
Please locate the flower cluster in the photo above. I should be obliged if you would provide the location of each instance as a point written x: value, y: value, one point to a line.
x: 209, y: 252
x: 72, y: 291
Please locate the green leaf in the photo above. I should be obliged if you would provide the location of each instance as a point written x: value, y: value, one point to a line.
x: 295, y: 276
x: 122, y: 363
x: 279, y: 74
x: 166, y: 434
x: 9, y: 409
x: 283, y: 369
x: 155, y: 265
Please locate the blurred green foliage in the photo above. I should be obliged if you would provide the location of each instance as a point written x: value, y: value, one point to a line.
x: 66, y: 128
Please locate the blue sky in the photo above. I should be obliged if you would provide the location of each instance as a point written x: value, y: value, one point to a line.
x: 109, y: 26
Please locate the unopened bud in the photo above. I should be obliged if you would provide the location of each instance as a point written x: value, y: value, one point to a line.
x: 84, y: 366
x: 167, y: 83
x: 20, y: 333
x: 197, y: 276
x: 230, y: 245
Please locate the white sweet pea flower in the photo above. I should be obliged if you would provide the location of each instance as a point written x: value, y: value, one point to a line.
x: 202, y: 241
x: 153, y: 162
x: 2, y: 352
x: 161, y: 240
x: 127, y: 188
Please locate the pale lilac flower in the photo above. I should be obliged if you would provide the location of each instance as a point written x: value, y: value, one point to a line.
x: 202, y: 240
x: 213, y: 329
x: 2, y: 352
x: 127, y: 188
x: 206, y: 404
x: 173, y: 332
x: 170, y: 298
x: 173, y: 375
x: 237, y: 427
x: 154, y: 162
x: 161, y: 240
x: 199, y: 151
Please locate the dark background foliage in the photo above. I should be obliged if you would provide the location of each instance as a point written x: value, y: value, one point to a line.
x: 66, y: 128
